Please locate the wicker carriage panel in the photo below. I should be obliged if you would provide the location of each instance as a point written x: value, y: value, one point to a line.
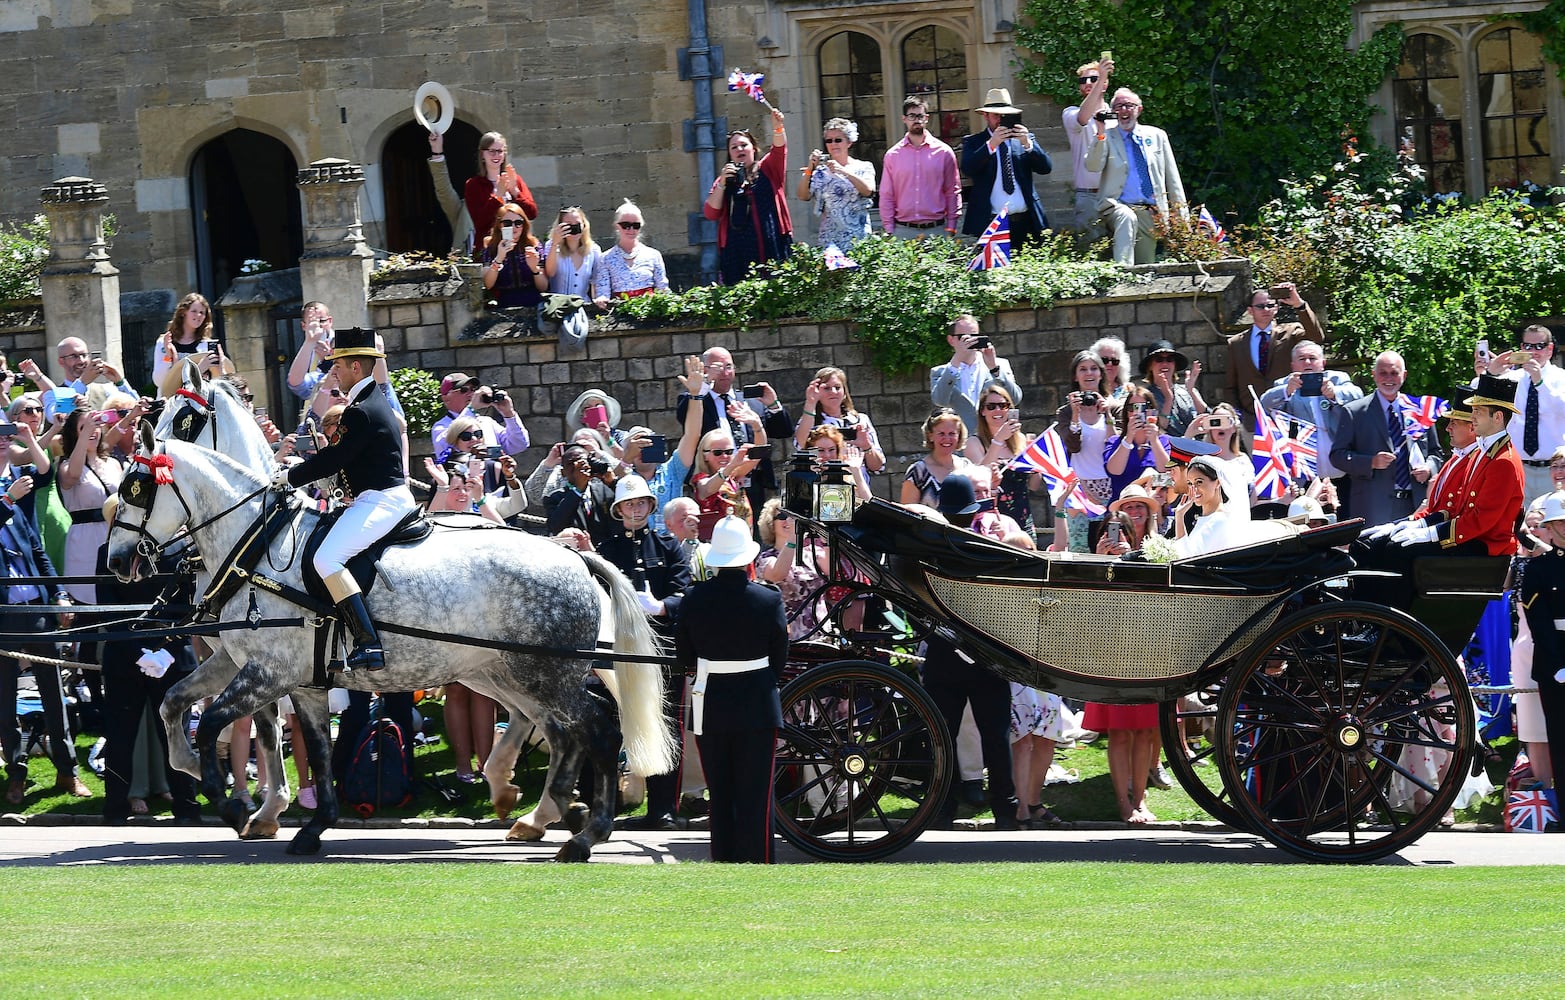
x: 1113, y: 634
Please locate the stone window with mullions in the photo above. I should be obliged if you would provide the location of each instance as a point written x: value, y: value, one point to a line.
x: 853, y: 86
x: 1512, y: 100
x: 1428, y: 96
x: 934, y: 66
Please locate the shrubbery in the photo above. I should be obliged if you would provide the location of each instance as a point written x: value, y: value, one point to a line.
x: 903, y: 296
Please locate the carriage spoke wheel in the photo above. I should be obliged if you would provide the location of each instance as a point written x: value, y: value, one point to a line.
x: 1190, y: 753
x: 1346, y: 732
x: 863, y: 761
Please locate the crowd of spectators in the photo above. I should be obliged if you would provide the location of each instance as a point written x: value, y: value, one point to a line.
x: 1151, y: 457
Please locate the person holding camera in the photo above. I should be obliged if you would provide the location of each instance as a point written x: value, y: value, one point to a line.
x: 749, y: 202
x: 718, y: 402
x: 189, y: 335
x: 1085, y: 423
x: 1176, y: 401
x: 1001, y: 161
x: 463, y: 396
x: 840, y: 186
x: 496, y: 185
x: 513, y: 274
x: 1142, y: 446
x: 998, y: 442
x: 1539, y: 425
x: 582, y: 498
x: 828, y: 404
x: 720, y: 485
x: 1313, y: 393
x: 1263, y: 354
x: 1092, y: 80
x: 1139, y: 178
x: 571, y: 263
x: 974, y: 366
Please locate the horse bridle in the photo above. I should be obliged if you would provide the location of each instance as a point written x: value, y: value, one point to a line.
x: 190, y: 421
x: 139, y: 489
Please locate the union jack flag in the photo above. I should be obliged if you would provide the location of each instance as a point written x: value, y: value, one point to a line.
x: 1204, y: 220
x: 1046, y: 455
x: 1419, y: 413
x: 994, y: 246
x: 836, y: 260
x: 1302, y: 437
x: 1530, y: 810
x: 1271, y: 455
x: 747, y: 83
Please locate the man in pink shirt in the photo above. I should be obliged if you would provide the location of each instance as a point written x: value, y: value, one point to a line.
x: 920, y: 192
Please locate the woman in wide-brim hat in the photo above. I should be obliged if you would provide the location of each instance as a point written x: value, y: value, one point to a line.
x: 1177, y: 403
x: 592, y: 397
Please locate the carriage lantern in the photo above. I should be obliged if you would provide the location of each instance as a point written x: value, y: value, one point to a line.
x: 834, y: 494
x: 800, y: 483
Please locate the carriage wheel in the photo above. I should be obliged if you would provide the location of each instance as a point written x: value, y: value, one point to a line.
x: 1326, y: 710
x: 863, y: 761
x: 1189, y: 769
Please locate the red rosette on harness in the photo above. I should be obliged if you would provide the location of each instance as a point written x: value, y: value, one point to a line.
x: 160, y: 466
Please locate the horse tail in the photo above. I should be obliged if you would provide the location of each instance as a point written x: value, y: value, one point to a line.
x: 649, y: 744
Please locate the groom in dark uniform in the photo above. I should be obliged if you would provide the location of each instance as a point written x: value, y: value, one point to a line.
x: 367, y: 450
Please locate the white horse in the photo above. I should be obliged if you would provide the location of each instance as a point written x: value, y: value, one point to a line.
x: 211, y: 414
x: 497, y: 586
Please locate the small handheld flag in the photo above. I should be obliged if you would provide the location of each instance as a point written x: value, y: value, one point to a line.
x: 1204, y: 220
x: 1271, y: 455
x: 836, y: 260
x: 1419, y: 413
x: 1046, y: 455
x: 994, y: 246
x: 750, y: 85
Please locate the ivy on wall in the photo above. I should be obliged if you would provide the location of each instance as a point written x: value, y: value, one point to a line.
x: 1549, y: 25
x: 1248, y: 90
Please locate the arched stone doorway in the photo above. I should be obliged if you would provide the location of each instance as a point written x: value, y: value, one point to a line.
x: 414, y: 218
x: 245, y: 200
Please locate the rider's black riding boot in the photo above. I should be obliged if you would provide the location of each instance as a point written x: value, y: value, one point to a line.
x: 367, y: 654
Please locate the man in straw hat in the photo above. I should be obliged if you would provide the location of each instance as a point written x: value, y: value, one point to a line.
x: 367, y: 450
x: 1474, y: 506
x: 1001, y: 161
x: 734, y: 634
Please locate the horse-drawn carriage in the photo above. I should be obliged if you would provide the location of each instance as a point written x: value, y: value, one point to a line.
x: 1315, y: 702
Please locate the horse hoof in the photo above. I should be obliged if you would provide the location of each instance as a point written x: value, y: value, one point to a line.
x: 504, y: 799
x: 234, y: 813
x: 304, y: 844
x: 259, y: 830
x: 573, y: 851
x: 524, y: 832
x: 576, y: 818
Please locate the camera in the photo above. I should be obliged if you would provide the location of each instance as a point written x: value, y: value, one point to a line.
x: 598, y: 464
x: 573, y: 228
x: 1105, y: 115
x: 1090, y: 398
x: 1310, y: 383
x: 1012, y: 121
x: 981, y: 343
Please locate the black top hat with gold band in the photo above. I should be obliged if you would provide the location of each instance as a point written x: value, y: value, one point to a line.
x: 355, y: 342
x: 1461, y: 408
x: 1494, y: 391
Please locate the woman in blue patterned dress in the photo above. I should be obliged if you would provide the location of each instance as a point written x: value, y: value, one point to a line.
x: 840, y: 186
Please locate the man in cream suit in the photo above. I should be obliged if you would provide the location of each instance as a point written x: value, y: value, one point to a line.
x: 1139, y: 175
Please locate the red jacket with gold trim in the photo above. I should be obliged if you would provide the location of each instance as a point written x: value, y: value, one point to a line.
x: 1485, y: 503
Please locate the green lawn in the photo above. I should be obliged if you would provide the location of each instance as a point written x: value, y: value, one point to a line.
x: 698, y: 930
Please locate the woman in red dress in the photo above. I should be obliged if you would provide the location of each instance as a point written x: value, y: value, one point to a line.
x: 496, y: 184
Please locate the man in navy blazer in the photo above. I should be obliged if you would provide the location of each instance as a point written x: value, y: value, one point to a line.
x: 1001, y: 161
x: 720, y: 394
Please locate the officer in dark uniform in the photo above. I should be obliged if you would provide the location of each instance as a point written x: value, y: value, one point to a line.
x: 367, y: 450
x: 734, y: 635
x: 658, y: 569
x: 1543, y: 602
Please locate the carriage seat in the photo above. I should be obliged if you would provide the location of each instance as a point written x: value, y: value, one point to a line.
x: 1471, y: 577
x: 414, y: 527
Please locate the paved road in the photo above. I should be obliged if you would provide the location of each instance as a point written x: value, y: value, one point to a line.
x: 58, y: 846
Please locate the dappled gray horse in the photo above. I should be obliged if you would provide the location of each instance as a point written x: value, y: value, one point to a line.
x: 507, y: 588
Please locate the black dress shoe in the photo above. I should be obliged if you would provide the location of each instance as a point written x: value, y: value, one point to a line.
x: 652, y: 822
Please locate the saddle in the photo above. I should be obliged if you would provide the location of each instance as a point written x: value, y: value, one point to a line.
x: 413, y: 527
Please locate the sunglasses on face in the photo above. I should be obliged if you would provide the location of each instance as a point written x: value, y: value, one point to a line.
x: 30, y: 409
x: 1263, y: 305
x: 720, y: 451
x: 997, y: 405
x: 470, y: 435
x: 1086, y: 79
x: 629, y: 225
x: 1537, y: 347
x: 834, y: 142
x: 1111, y: 362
